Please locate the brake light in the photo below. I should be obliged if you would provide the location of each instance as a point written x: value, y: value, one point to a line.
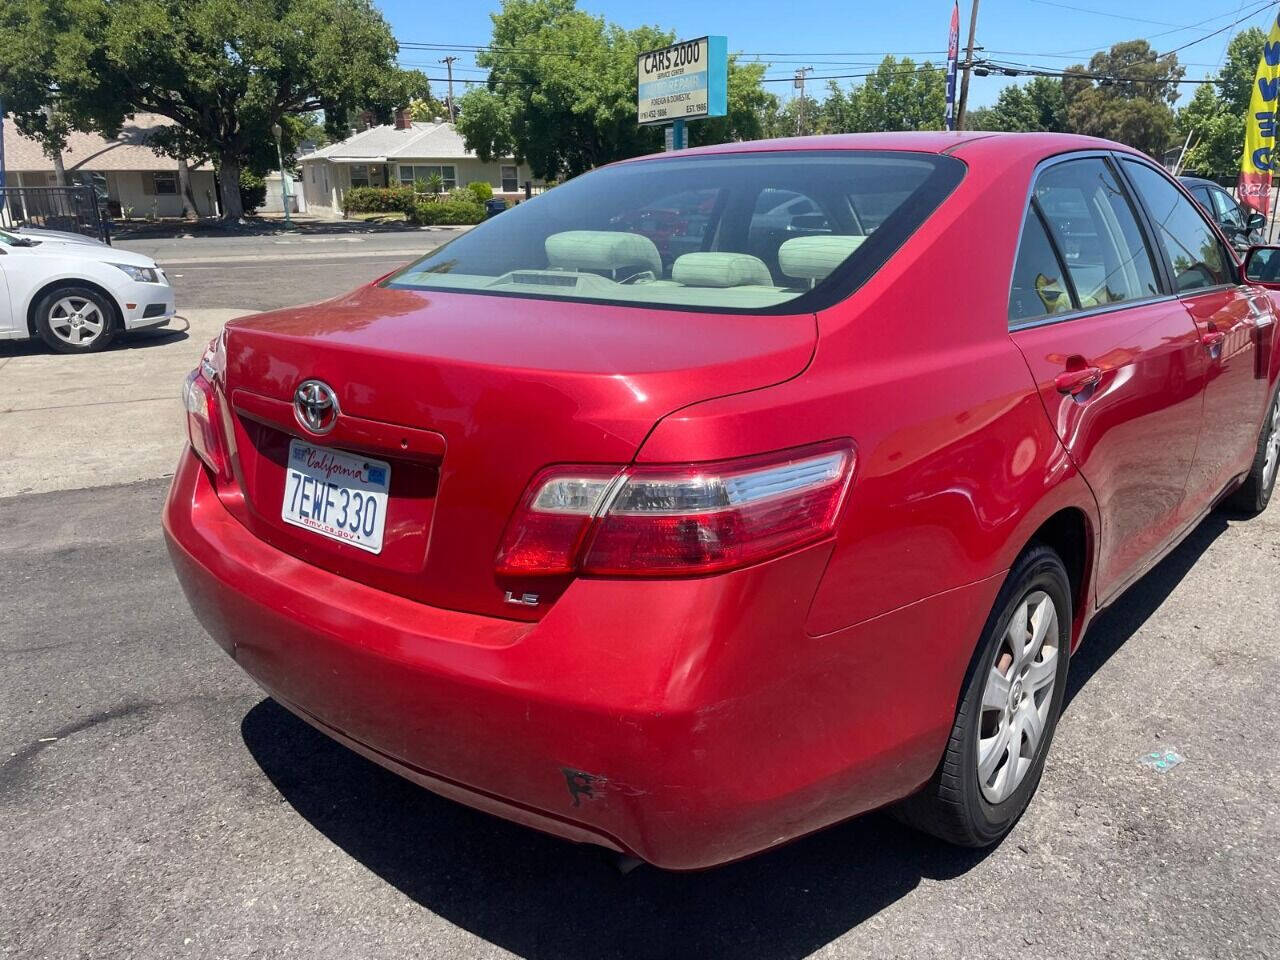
x: 676, y: 520
x: 203, y: 422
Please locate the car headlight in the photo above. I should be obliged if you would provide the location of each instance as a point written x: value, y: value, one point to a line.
x: 141, y: 274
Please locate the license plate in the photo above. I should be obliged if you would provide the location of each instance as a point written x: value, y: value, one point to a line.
x: 337, y: 495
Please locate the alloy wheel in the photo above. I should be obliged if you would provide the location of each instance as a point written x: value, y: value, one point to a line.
x: 77, y: 321
x: 1273, y: 447
x: 1017, y: 697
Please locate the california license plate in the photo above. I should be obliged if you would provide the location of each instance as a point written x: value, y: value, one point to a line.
x: 341, y: 496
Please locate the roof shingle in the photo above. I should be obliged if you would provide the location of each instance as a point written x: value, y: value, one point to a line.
x: 91, y: 151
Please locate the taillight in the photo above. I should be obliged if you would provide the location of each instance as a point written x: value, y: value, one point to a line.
x: 676, y: 520
x: 203, y: 422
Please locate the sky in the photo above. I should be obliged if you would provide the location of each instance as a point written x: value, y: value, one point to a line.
x: 838, y: 39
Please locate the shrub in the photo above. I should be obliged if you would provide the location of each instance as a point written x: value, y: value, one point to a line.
x: 253, y: 191
x: 481, y: 190
x: 378, y: 200
x: 448, y: 212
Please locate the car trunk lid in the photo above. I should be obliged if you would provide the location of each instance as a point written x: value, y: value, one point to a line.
x: 466, y: 397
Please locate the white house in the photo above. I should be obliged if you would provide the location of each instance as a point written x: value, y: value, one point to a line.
x: 137, y: 180
x: 401, y: 153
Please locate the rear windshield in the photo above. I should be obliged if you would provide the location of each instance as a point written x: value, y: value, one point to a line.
x: 773, y: 232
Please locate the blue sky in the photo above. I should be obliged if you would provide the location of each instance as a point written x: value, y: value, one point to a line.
x: 844, y: 38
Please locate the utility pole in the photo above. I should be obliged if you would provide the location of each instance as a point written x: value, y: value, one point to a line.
x: 968, y: 65
x: 800, y: 75
x: 448, y: 62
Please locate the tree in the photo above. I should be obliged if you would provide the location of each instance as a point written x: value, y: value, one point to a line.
x: 750, y: 109
x: 790, y: 120
x: 224, y: 71
x: 1038, y: 106
x: 426, y: 109
x: 1213, y: 122
x: 898, y: 95
x: 1125, y: 94
x: 564, y: 113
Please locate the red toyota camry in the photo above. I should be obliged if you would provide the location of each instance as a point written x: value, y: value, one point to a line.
x: 689, y: 551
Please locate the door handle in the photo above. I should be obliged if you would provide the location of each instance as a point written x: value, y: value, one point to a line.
x: 1076, y: 382
x: 1212, y: 340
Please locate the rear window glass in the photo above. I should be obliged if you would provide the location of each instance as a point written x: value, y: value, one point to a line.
x: 764, y: 232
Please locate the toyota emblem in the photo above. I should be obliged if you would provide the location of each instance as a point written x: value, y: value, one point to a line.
x: 316, y: 406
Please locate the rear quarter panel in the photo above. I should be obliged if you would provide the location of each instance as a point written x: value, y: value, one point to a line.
x: 957, y: 462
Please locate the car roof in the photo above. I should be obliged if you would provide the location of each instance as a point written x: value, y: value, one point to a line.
x: 922, y: 141
x: 1202, y: 180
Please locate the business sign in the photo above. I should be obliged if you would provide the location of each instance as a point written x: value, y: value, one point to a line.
x: 684, y: 81
x: 953, y: 55
x: 1260, y: 158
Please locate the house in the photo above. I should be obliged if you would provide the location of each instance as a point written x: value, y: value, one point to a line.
x: 137, y: 180
x: 401, y: 154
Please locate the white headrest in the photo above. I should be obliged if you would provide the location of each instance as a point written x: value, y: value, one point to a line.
x: 602, y: 250
x: 721, y: 270
x: 813, y: 258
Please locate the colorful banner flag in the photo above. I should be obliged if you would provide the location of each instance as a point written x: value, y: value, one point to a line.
x: 953, y: 55
x: 1259, y: 159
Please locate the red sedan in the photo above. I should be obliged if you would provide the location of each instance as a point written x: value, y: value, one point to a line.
x: 688, y: 558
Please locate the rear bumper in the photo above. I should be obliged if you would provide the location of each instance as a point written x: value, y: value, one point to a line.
x: 686, y: 722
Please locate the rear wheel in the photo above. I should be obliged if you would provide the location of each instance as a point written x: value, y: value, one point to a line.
x: 75, y: 320
x: 1008, y: 710
x: 1252, y: 498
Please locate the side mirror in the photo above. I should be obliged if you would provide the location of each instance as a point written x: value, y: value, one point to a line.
x: 1262, y: 265
x: 1256, y: 221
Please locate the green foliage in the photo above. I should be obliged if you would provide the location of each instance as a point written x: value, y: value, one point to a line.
x: 1137, y: 109
x: 447, y: 212
x: 432, y: 183
x: 748, y: 109
x: 426, y: 109
x: 378, y: 200
x: 899, y: 95
x: 1039, y: 106
x: 1213, y: 122
x: 253, y: 191
x: 481, y: 190
x: 564, y: 113
x: 223, y: 70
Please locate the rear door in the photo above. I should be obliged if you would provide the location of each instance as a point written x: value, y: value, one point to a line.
x: 1117, y: 360
x: 6, y: 310
x: 1229, y: 317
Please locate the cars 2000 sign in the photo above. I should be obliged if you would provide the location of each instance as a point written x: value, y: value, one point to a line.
x: 684, y: 81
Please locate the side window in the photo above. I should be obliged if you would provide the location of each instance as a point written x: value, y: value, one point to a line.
x: 1190, y: 246
x: 1228, y: 210
x: 1097, y: 232
x: 1039, y: 288
x: 1202, y: 197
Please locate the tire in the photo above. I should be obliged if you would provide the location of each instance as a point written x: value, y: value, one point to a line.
x: 76, y: 320
x: 1254, y: 495
x: 954, y: 805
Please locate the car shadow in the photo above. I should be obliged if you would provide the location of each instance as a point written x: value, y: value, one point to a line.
x: 540, y: 897
x: 1109, y: 631
x: 135, y: 340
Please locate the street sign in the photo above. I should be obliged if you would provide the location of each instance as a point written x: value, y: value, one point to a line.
x: 684, y: 81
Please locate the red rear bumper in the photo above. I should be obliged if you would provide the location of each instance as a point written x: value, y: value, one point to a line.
x: 689, y: 722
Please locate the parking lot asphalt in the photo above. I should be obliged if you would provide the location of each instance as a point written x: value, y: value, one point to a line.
x: 156, y: 804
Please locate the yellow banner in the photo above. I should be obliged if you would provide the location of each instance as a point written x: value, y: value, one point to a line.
x: 1259, y: 159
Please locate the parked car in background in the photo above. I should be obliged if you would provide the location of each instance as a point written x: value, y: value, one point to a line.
x: 687, y: 555
x: 76, y: 294
x: 1244, y: 228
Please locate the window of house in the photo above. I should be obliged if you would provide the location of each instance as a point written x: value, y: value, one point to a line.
x: 510, y: 178
x: 1039, y: 286
x: 359, y: 175
x: 1095, y: 229
x: 1189, y: 244
x: 412, y: 173
x: 166, y: 184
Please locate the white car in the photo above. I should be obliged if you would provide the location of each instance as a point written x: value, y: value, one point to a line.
x: 77, y: 296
